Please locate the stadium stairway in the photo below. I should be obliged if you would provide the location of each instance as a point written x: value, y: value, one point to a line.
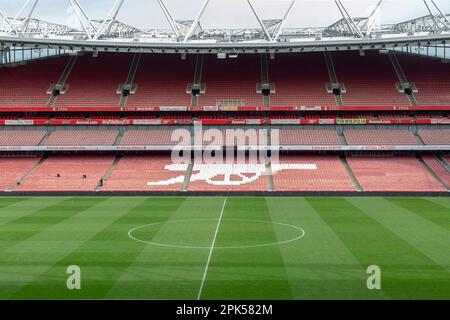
x: 269, y: 177
x: 431, y: 171
x: 401, y: 76
x: 443, y: 161
x: 419, y: 138
x: 108, y: 173
x: 333, y: 76
x: 28, y: 174
x: 187, y: 177
x: 197, y: 79
x: 62, y: 80
x: 130, y: 78
x: 351, y: 174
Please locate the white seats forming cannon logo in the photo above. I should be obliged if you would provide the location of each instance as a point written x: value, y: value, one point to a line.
x: 223, y: 174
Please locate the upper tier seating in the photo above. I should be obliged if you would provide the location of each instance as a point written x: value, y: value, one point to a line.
x: 396, y: 174
x: 369, y: 80
x: 155, y: 137
x: 27, y: 85
x: 93, y: 82
x: 82, y: 138
x: 231, y: 80
x: 14, y: 169
x: 17, y: 138
x: 305, y: 137
x: 135, y: 172
x: 432, y: 78
x: 70, y: 169
x: 435, y: 136
x: 162, y: 80
x: 311, y: 173
x: 299, y: 79
x: 380, y: 137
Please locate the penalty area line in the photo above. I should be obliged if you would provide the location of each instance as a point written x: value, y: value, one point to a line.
x: 211, y: 250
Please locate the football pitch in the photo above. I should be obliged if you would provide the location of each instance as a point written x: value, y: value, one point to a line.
x: 224, y: 247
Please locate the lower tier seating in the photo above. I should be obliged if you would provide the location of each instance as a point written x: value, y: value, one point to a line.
x: 68, y: 173
x: 13, y: 169
x: 311, y: 173
x: 146, y: 173
x: 235, y: 176
x: 437, y: 168
x: 396, y: 174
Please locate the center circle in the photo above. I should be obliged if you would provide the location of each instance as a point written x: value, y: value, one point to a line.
x: 235, y: 233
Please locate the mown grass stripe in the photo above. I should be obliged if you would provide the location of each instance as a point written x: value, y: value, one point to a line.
x: 412, y: 251
x: 250, y: 273
x: 104, y: 258
x: 433, y: 212
x: 25, y: 227
x: 372, y: 243
x: 319, y: 265
x: 26, y: 261
x: 13, y: 211
x: 170, y: 273
x: 8, y: 201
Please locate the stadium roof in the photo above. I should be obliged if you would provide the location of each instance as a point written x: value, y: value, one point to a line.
x: 271, y: 33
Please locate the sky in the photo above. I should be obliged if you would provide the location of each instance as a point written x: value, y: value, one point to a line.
x: 225, y: 13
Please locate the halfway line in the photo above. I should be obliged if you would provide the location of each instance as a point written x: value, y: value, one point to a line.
x: 211, y: 250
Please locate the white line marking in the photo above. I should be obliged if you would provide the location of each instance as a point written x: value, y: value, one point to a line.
x: 211, y: 250
x: 301, y: 234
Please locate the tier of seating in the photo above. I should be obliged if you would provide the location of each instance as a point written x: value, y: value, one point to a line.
x: 369, y: 79
x: 68, y: 173
x: 82, y: 138
x: 240, y: 176
x: 26, y: 85
x: 156, y: 137
x: 146, y: 173
x: 159, y: 172
x: 15, y: 138
x: 431, y: 77
x: 299, y: 80
x: 304, y: 137
x: 311, y: 173
x: 435, y: 136
x: 162, y: 80
x: 392, y: 174
x: 231, y: 81
x: 93, y: 82
x: 380, y: 137
x: 438, y: 168
x: 13, y: 169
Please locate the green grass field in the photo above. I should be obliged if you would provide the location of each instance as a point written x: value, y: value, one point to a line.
x: 244, y: 248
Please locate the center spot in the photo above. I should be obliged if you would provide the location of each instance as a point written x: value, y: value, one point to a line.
x: 233, y: 233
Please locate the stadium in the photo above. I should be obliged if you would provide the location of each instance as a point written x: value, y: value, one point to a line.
x: 199, y: 162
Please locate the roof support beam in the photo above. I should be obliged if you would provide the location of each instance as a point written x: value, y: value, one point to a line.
x: 348, y: 19
x: 109, y: 20
x: 170, y: 19
x: 88, y: 27
x: 371, y: 20
x: 286, y: 16
x: 196, y: 21
x: 5, y: 19
x: 263, y: 27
